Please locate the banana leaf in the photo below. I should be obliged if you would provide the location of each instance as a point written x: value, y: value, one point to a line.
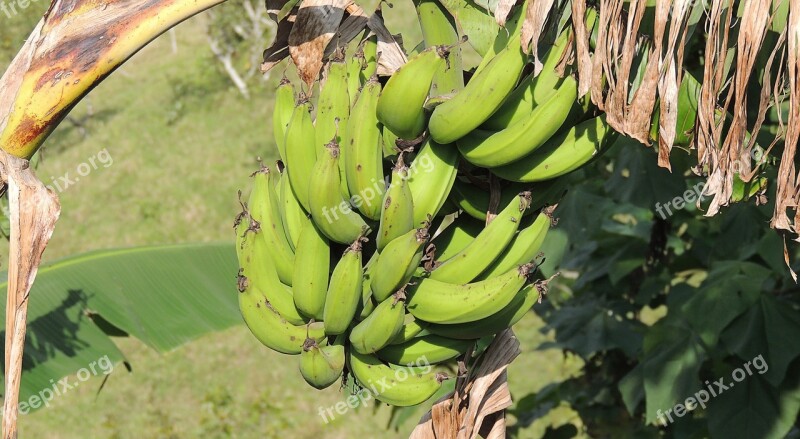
x: 164, y: 296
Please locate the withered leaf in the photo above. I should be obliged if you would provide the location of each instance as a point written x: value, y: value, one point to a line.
x: 316, y: 23
x: 502, y: 10
x: 279, y: 49
x: 533, y: 26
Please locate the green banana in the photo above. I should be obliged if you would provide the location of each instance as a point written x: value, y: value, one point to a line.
x: 562, y: 154
x: 397, y: 210
x: 367, y: 304
x: 430, y: 349
x: 522, y: 249
x: 456, y: 237
x: 496, y: 323
x: 400, y: 107
x: 312, y: 263
x: 363, y: 159
x: 257, y: 272
x: 439, y: 29
x: 396, y: 263
x: 333, y: 111
x: 467, y: 264
x: 355, y: 66
x: 532, y: 90
x: 505, y: 35
x: 292, y: 214
x: 411, y: 328
x: 490, y: 87
x: 474, y: 201
x: 389, y: 138
x: 517, y: 105
x: 333, y: 105
x: 301, y: 151
x: 265, y: 209
x: 243, y: 226
x: 282, y: 113
x: 321, y: 366
x: 430, y: 179
x: 491, y: 149
x: 481, y: 97
x: 401, y: 387
x: 380, y: 327
x: 332, y: 213
x: 370, y: 51
x: 344, y: 290
x: 440, y: 302
x: 271, y: 329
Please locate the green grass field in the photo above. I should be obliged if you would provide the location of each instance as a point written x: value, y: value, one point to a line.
x: 177, y: 164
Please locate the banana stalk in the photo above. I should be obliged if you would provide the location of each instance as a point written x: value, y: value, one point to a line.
x: 75, y: 47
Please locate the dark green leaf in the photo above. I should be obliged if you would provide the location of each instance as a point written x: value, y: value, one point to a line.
x: 553, y: 248
x: 673, y: 357
x: 731, y: 287
x: 754, y: 408
x: 631, y: 387
x: 164, y: 296
x: 590, y: 328
x: 571, y: 211
x: 768, y: 329
x: 638, y: 179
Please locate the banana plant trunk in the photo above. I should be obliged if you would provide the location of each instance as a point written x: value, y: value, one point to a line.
x: 76, y: 45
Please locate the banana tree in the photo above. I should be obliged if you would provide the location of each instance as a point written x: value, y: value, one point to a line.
x: 631, y: 65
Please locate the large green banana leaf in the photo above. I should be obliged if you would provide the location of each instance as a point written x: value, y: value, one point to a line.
x: 163, y: 296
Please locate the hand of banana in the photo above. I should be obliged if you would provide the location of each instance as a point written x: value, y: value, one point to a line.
x: 353, y: 259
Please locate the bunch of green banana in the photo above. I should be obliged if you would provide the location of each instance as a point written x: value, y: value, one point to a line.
x: 405, y: 225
